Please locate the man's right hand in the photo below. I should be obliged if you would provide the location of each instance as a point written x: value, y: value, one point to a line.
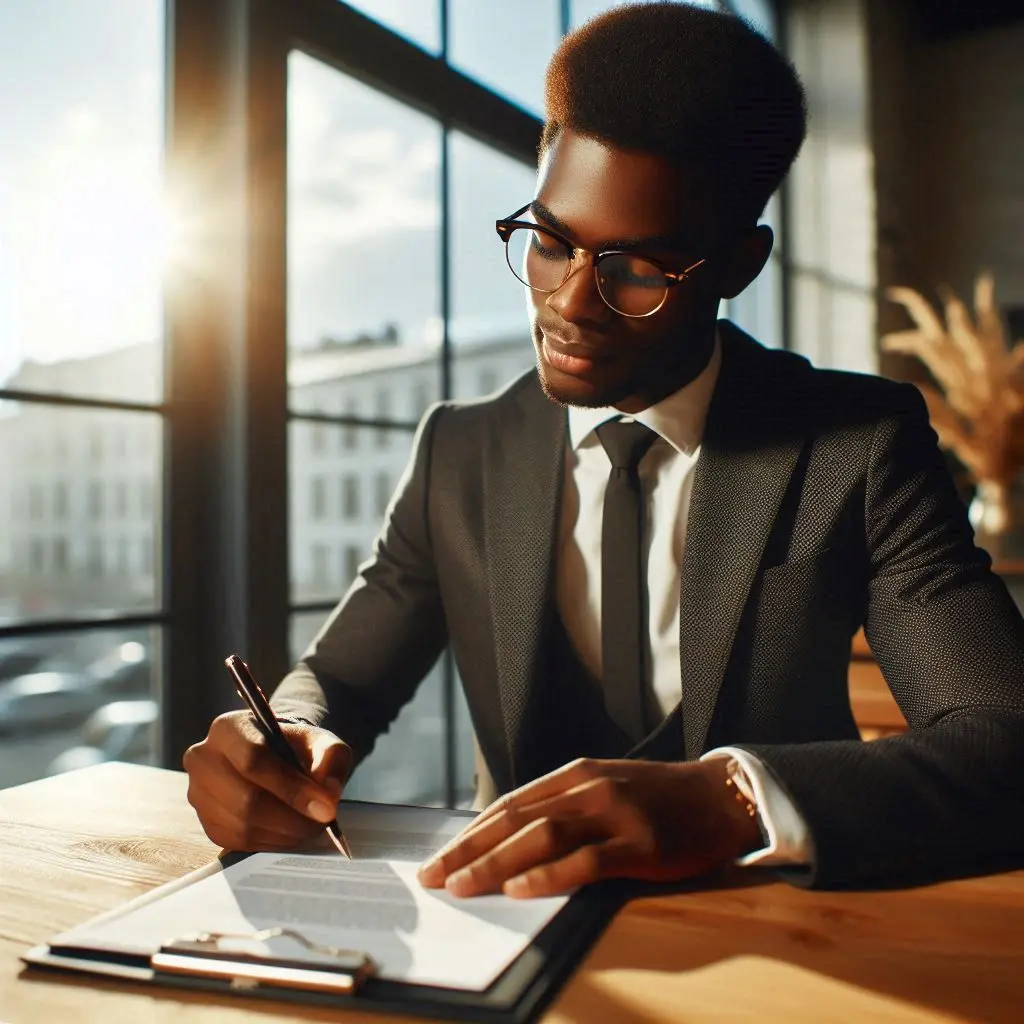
x: 248, y: 799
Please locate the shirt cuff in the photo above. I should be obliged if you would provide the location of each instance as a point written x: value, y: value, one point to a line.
x: 789, y: 840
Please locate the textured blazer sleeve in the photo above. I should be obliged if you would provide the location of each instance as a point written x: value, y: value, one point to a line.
x: 388, y: 630
x: 947, y: 797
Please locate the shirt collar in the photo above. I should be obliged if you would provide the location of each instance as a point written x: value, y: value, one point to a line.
x: 679, y: 418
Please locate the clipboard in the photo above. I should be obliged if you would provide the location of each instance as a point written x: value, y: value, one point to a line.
x: 347, y: 979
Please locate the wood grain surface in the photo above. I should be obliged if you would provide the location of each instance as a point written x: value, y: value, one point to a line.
x: 752, y: 948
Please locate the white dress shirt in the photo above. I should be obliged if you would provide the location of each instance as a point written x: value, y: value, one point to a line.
x: 666, y: 478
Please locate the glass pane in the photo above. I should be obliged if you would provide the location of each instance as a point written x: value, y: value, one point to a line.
x: 465, y: 757
x: 505, y: 46
x: 489, y: 328
x: 760, y: 14
x: 407, y: 764
x: 584, y: 10
x: 80, y: 500
x: 76, y: 699
x: 418, y: 20
x: 758, y: 309
x: 364, y: 214
x: 338, y: 478
x: 81, y: 224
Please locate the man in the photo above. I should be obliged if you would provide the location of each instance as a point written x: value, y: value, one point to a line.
x: 658, y: 725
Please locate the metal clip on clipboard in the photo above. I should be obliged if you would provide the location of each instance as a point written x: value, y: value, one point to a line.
x: 208, y: 955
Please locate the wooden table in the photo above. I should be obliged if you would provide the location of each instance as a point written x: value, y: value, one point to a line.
x: 81, y: 843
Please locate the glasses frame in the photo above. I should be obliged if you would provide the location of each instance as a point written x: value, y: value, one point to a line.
x: 507, y: 225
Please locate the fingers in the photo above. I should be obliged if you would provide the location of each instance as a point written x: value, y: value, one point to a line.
x: 517, y: 839
x: 541, y: 842
x: 503, y: 819
x: 569, y: 776
x: 246, y: 798
x: 244, y: 746
x: 234, y: 830
x: 330, y: 761
x: 615, y: 858
x: 238, y: 810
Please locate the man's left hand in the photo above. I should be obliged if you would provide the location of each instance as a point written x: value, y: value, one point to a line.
x: 592, y: 820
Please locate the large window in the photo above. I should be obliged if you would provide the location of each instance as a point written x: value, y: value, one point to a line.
x: 81, y: 383
x: 336, y: 170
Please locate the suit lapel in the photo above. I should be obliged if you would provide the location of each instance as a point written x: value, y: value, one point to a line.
x: 522, y: 495
x: 748, y: 454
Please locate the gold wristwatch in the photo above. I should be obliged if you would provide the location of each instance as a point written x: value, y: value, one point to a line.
x: 739, y: 784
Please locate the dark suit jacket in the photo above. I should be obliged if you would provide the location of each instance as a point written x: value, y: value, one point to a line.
x: 820, y: 503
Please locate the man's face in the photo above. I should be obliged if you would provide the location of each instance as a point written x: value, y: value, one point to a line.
x: 598, y: 197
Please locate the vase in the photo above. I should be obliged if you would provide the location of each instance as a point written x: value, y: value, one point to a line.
x: 993, y: 509
x: 997, y: 514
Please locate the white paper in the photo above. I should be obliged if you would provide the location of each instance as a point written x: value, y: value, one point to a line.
x: 373, y: 904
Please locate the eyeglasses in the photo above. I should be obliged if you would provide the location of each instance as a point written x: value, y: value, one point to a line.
x: 543, y: 260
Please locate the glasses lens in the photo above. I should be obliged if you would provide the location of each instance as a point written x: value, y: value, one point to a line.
x: 538, y: 259
x: 631, y: 285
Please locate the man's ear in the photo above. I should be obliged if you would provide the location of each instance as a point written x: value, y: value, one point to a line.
x: 748, y: 258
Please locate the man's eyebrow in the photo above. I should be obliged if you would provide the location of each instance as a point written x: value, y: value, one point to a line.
x: 645, y: 242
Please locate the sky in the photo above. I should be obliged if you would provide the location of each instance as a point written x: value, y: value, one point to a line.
x: 81, y: 222
x: 80, y: 156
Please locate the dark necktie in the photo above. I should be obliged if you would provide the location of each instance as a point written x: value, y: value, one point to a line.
x: 623, y: 608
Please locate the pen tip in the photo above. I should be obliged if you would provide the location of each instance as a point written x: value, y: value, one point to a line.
x: 340, y: 844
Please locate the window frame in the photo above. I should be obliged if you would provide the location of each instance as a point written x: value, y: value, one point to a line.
x: 227, y: 373
x: 224, y: 548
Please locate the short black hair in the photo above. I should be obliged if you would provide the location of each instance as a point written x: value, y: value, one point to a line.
x: 695, y: 86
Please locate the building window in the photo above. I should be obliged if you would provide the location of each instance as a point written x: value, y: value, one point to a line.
x: 353, y: 558
x: 488, y: 381
x: 96, y: 445
x: 60, y: 554
x: 383, y: 412
x: 60, y: 500
x: 383, y: 492
x: 122, y: 557
x: 35, y: 503
x: 120, y: 497
x: 319, y: 438
x: 145, y: 499
x: 95, y: 560
x: 37, y: 556
x: 318, y: 499
x: 420, y: 399
x: 350, y: 432
x: 320, y: 557
x: 95, y: 500
x: 350, y: 497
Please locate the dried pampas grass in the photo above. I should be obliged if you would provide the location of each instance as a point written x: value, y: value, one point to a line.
x: 979, y: 414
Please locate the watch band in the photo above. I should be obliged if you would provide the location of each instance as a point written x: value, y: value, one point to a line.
x: 739, y: 785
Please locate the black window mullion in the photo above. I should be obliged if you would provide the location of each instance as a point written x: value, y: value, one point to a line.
x: 342, y: 420
x: 359, y: 46
x: 49, y: 627
x: 226, y: 555
x: 78, y: 401
x: 447, y: 661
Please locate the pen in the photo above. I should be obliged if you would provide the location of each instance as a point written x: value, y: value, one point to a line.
x: 249, y: 690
